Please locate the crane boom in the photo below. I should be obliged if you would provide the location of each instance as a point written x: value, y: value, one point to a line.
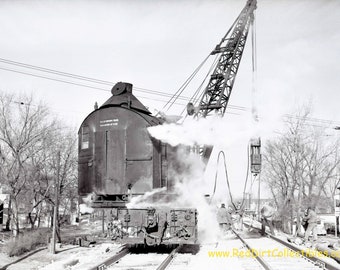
x: 217, y: 93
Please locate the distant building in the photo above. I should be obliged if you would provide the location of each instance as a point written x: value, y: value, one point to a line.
x: 4, y: 200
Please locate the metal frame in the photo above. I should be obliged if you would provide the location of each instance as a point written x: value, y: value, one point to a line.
x: 217, y: 93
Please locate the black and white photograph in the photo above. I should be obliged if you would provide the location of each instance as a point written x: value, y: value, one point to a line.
x: 158, y: 134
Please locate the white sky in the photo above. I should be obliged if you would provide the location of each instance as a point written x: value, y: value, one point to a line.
x: 157, y: 44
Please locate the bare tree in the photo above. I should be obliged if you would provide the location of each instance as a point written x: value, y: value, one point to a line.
x: 322, y: 161
x: 300, y: 168
x: 56, y: 164
x: 63, y: 167
x: 29, y: 141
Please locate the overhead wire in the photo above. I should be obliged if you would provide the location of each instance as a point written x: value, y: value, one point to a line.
x: 199, y: 93
x: 53, y: 71
x: 212, y: 67
x: 254, y: 111
x: 254, y: 71
x: 73, y: 76
x: 255, y: 117
x: 54, y: 79
x: 69, y: 75
x: 139, y: 89
x: 247, y: 176
x: 226, y: 177
x: 184, y: 85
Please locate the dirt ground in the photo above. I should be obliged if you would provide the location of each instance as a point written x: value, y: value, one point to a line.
x: 73, y: 257
x: 68, y: 256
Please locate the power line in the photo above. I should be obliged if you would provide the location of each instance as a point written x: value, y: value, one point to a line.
x: 67, y: 74
x: 53, y: 79
x: 138, y: 89
x: 80, y: 77
x: 53, y: 71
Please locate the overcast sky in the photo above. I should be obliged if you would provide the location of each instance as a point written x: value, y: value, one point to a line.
x: 156, y: 45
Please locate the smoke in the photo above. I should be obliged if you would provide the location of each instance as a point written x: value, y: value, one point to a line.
x: 191, y: 189
x: 193, y: 182
x: 188, y: 191
x: 145, y: 200
x: 191, y: 186
x: 221, y: 132
x: 204, y: 131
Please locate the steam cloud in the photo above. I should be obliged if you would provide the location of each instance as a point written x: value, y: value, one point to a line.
x: 193, y: 184
x: 188, y: 192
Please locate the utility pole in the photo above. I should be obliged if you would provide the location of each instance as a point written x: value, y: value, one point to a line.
x: 56, y: 206
x: 258, y: 199
x: 337, y: 209
x: 337, y: 202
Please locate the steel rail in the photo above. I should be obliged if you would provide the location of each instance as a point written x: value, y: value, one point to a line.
x: 105, y: 264
x: 317, y: 261
x: 258, y: 258
x: 169, y: 258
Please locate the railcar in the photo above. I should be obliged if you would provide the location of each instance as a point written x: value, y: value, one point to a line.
x: 118, y: 161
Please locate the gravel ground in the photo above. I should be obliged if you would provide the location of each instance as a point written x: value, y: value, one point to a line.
x: 66, y: 257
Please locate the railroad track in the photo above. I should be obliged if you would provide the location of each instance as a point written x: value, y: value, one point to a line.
x: 269, y: 253
x: 113, y: 259
x: 125, y: 259
x: 273, y: 253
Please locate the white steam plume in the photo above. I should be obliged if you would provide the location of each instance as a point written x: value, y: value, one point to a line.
x: 145, y: 200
